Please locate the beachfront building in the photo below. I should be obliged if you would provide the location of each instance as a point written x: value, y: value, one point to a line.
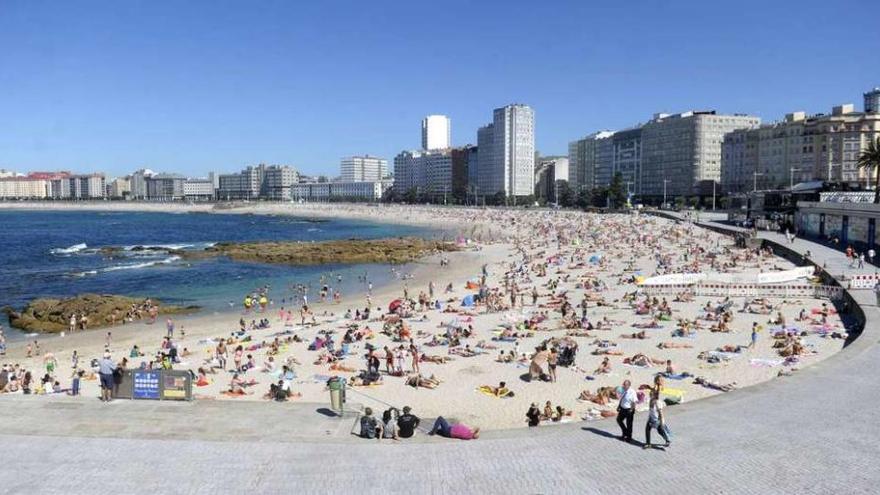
x: 590, y: 161
x: 340, y: 191
x: 5, y: 174
x: 165, y: 187
x: 436, y: 132
x: 13, y: 187
x: 800, y: 148
x: 506, y: 161
x: 872, y: 101
x: 626, y: 159
x: 258, y: 182
x: 139, y: 183
x: 363, y: 169
x: 437, y: 174
x: 425, y: 172
x: 87, y: 186
x: 681, y: 153
x: 549, y: 174
x: 119, y: 187
x: 851, y: 217
x: 199, y: 189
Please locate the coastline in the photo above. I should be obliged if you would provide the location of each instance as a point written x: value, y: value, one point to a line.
x: 415, y: 215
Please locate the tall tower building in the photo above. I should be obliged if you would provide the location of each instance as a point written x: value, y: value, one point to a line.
x: 513, y: 150
x: 436, y: 132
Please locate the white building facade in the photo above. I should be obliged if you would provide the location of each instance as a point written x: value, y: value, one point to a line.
x: 436, y: 132
x: 506, y: 161
x: 363, y: 168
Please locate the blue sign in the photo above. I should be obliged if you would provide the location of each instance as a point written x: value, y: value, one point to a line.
x: 146, y: 385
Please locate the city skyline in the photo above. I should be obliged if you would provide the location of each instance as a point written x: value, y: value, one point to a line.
x: 191, y: 89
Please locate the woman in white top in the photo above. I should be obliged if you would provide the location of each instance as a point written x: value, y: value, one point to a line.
x: 656, y: 420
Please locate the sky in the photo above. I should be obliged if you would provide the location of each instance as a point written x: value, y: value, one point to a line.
x: 200, y: 86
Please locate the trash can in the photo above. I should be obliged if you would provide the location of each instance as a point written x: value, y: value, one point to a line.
x: 337, y: 393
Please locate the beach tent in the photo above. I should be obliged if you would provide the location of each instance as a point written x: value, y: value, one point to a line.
x: 468, y: 300
x: 394, y: 305
x: 596, y: 258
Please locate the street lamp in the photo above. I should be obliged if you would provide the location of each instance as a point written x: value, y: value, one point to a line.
x: 664, y: 191
x: 755, y: 179
x: 791, y: 172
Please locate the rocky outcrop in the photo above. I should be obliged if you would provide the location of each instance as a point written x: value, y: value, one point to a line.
x: 350, y: 251
x: 53, y: 315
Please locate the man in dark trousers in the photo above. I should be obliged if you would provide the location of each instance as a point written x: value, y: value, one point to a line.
x: 626, y: 410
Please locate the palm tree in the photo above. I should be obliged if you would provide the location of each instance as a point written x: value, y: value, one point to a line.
x: 869, y: 159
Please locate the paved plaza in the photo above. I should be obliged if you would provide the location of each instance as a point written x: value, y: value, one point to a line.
x: 808, y: 433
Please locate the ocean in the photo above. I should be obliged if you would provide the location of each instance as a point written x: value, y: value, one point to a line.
x: 58, y: 254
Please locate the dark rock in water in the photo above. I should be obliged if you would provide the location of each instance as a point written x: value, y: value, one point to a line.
x: 53, y: 315
x: 350, y: 251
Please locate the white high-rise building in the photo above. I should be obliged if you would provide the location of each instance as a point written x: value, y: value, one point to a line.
x: 508, y: 164
x: 363, y: 168
x: 436, y: 132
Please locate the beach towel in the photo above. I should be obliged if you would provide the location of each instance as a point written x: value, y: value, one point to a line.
x: 677, y: 376
x: 487, y: 390
x: 765, y: 363
x: 672, y: 392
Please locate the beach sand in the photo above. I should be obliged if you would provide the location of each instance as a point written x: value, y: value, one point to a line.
x: 507, y: 237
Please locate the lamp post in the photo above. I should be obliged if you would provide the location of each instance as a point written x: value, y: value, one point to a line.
x: 755, y: 179
x: 791, y: 171
x: 664, y: 192
x: 713, y: 194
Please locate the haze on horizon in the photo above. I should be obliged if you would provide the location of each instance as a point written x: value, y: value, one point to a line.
x: 193, y: 87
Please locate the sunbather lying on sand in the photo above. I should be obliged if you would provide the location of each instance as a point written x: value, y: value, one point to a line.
x: 417, y: 380
x: 715, y: 385
x: 674, y: 345
x: 642, y: 360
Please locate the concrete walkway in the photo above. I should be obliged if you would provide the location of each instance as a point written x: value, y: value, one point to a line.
x: 808, y: 433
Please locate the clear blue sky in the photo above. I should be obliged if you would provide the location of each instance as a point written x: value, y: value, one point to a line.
x: 193, y: 86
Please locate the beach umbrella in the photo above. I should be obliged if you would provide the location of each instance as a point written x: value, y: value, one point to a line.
x: 394, y: 305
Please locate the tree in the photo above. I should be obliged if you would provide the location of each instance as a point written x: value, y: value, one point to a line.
x: 584, y: 198
x: 564, y: 197
x: 600, y: 197
x: 411, y: 196
x: 617, y: 191
x: 497, y: 199
x: 869, y: 160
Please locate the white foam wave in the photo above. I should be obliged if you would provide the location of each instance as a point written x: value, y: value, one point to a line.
x: 146, y: 264
x: 69, y: 250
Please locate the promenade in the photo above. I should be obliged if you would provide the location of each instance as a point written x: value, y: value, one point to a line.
x: 807, y: 433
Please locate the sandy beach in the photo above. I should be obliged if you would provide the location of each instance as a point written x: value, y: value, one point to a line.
x: 588, y: 264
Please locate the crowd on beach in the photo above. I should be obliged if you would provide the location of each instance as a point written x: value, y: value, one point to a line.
x: 550, y: 326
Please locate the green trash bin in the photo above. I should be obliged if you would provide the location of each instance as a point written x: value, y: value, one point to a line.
x: 337, y: 393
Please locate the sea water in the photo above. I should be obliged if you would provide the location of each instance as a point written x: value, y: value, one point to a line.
x: 59, y: 254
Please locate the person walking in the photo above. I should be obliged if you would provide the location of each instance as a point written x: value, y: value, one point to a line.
x: 877, y: 292
x: 626, y: 411
x: 106, y: 370
x: 656, y: 420
x: 861, y: 260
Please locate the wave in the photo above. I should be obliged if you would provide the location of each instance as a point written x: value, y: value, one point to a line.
x: 168, y: 247
x: 69, y: 250
x: 146, y: 264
